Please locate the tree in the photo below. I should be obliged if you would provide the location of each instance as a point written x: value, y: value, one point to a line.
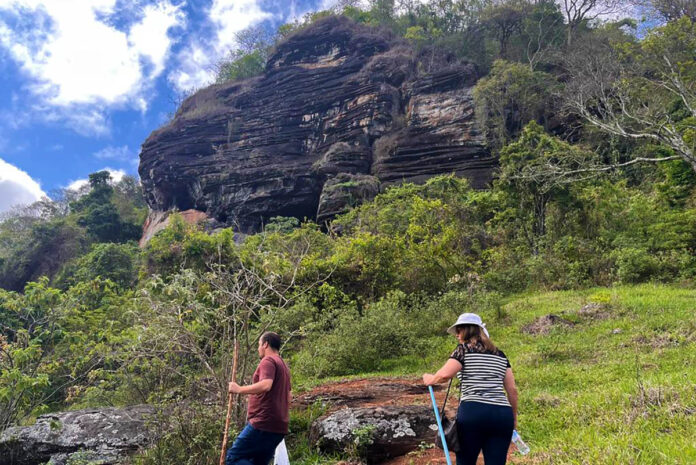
x: 511, y: 96
x: 643, y: 91
x: 533, y: 170
x: 504, y: 20
x: 114, y: 262
x: 578, y: 12
x: 670, y: 10
x: 248, y: 59
x: 382, y: 11
x: 542, y: 31
x: 98, y: 214
x: 189, y: 323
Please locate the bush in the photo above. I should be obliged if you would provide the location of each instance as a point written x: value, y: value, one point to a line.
x: 190, y: 435
x: 115, y: 262
x: 359, y: 343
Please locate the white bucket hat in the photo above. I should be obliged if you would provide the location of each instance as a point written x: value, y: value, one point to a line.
x: 468, y: 319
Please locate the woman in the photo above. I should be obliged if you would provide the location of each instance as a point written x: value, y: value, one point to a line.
x: 486, y: 415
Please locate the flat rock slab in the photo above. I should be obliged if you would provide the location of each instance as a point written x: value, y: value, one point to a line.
x: 103, y: 435
x: 373, y: 392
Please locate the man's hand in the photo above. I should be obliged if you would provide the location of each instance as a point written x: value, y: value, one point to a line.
x: 234, y: 388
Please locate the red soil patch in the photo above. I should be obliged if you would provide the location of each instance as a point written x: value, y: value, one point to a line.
x: 374, y: 392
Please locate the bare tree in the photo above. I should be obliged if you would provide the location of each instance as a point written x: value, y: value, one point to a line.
x: 635, y: 97
x: 578, y: 11
x: 542, y: 28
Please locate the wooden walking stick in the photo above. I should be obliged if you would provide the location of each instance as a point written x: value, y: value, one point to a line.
x: 229, y: 404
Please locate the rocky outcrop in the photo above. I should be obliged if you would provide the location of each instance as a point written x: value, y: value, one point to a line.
x: 336, y: 99
x: 383, y: 432
x: 100, y: 436
x: 345, y: 191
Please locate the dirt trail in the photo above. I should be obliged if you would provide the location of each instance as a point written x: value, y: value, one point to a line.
x: 376, y: 392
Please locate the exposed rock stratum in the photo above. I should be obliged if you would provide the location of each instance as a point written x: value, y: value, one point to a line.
x: 341, y: 111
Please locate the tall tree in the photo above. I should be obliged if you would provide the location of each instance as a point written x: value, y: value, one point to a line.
x: 643, y: 91
x: 504, y: 20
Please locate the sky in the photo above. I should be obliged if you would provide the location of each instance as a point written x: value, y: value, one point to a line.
x: 84, y: 82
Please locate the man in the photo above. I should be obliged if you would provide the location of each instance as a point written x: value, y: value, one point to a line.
x: 268, y: 412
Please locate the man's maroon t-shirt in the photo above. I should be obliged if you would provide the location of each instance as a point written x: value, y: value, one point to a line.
x: 270, y: 411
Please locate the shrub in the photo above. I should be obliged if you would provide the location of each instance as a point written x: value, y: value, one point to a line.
x: 359, y: 342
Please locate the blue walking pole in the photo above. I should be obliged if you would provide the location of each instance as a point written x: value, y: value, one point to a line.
x: 439, y: 425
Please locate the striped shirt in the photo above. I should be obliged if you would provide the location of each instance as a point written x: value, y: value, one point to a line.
x: 482, y: 374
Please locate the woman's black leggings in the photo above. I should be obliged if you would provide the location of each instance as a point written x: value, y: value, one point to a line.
x: 484, y: 427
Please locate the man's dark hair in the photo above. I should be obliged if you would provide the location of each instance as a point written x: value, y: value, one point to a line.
x: 272, y: 338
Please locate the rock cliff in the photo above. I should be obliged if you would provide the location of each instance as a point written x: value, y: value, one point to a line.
x: 340, y: 111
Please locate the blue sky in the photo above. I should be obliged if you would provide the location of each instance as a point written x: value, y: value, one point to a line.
x: 84, y: 82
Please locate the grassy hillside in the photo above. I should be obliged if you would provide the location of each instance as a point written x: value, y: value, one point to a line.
x: 618, y: 386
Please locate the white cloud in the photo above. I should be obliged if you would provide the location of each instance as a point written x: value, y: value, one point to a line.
x: 197, y: 61
x: 76, y: 185
x: 79, y: 63
x: 17, y: 187
x: 122, y: 153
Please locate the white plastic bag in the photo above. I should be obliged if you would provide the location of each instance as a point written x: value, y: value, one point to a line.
x: 281, y: 454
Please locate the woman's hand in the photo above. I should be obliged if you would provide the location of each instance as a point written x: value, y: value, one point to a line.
x: 428, y: 379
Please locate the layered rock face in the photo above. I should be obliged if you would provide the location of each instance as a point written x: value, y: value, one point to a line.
x: 340, y: 111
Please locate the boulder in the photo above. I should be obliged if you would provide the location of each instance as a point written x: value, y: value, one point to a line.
x: 103, y: 436
x: 384, y: 432
x: 335, y: 98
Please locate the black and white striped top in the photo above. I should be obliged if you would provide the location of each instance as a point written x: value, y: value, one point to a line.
x: 481, y: 377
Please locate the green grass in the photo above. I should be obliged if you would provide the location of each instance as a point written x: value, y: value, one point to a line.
x: 619, y: 390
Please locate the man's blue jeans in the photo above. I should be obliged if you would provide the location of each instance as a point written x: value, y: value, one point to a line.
x: 253, y: 447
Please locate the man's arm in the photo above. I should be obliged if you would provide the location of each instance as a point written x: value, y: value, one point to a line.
x: 262, y: 386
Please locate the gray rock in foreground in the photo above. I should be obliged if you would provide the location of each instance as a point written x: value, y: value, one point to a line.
x: 104, y: 436
x: 394, y: 430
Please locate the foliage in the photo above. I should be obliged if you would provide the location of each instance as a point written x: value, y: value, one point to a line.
x: 511, y: 96
x: 49, y: 236
x: 183, y: 245
x: 97, y: 213
x: 533, y: 170
x: 641, y: 90
x: 359, y: 341
x: 116, y: 262
x: 53, y: 343
x: 190, y: 434
x: 412, y: 237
